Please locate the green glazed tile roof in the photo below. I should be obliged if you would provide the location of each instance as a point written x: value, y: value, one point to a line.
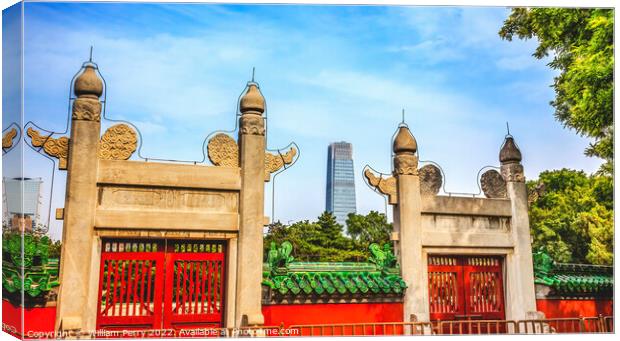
x: 377, y: 277
x: 573, y: 279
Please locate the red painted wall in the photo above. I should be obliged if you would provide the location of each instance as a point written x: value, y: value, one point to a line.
x: 290, y: 314
x: 38, y: 322
x: 575, y: 308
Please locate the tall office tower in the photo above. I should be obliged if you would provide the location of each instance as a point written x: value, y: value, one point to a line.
x: 21, y: 202
x: 340, y: 192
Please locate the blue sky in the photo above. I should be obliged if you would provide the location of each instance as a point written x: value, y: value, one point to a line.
x: 328, y: 73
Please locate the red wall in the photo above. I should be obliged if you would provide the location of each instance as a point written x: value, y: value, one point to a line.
x: 39, y: 322
x: 332, y: 313
x: 575, y: 308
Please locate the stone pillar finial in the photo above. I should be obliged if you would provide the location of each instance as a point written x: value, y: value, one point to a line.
x: 405, y: 149
x: 510, y: 160
x: 88, y: 87
x: 252, y: 107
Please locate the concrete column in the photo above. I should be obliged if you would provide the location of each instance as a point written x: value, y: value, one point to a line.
x: 521, y: 298
x: 251, y: 208
x: 76, y: 309
x: 408, y: 221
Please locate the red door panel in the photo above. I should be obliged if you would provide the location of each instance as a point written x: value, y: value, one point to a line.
x: 464, y: 287
x: 194, y: 297
x: 163, y: 284
x: 130, y: 285
x: 484, y: 292
x: 445, y: 282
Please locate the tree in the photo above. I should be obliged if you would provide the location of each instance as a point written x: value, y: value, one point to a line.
x: 367, y: 229
x: 571, y: 216
x: 581, y: 40
x: 324, y: 240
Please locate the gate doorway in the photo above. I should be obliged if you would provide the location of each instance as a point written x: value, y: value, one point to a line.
x: 465, y: 288
x: 161, y: 284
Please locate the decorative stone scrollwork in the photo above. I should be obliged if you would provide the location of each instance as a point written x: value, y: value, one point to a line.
x: 223, y: 151
x: 386, y: 186
x: 493, y: 185
x: 405, y: 164
x: 86, y: 109
x: 513, y: 172
x: 274, y: 162
x: 7, y: 139
x: 58, y: 148
x: 430, y: 180
x: 252, y: 125
x: 118, y: 143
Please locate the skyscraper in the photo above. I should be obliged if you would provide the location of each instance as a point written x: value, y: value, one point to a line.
x: 340, y: 191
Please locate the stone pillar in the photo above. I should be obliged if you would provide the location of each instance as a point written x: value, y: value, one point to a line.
x: 521, y: 299
x: 76, y: 309
x: 251, y: 208
x: 408, y: 224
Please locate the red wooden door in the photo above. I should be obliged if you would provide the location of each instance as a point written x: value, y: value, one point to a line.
x: 194, y: 296
x: 464, y: 287
x: 161, y: 284
x: 484, y: 292
x: 130, y: 285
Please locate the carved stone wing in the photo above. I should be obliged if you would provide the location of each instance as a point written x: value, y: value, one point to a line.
x: 7, y: 139
x: 58, y: 148
x: 274, y: 162
x: 118, y: 143
x: 386, y: 186
x: 223, y: 151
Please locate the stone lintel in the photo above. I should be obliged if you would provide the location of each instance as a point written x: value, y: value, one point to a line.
x: 195, y: 221
x: 146, y: 233
x: 139, y: 173
x: 442, y: 204
x: 478, y: 240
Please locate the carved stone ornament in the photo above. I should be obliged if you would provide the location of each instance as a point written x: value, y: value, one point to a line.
x: 7, y: 139
x: 493, y: 185
x: 273, y: 162
x: 430, y: 180
x: 86, y: 109
x: 58, y: 148
x: 252, y: 125
x: 223, y: 151
x: 118, y: 143
x: 386, y: 186
x: 513, y: 172
x: 406, y: 164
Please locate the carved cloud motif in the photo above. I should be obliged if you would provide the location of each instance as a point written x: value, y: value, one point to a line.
x: 118, y: 143
x: 58, y: 148
x: 223, y: 151
x: 430, y: 180
x: 493, y: 184
x: 7, y: 139
x: 386, y: 186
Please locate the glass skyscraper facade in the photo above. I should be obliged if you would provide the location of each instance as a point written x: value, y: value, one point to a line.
x: 340, y: 191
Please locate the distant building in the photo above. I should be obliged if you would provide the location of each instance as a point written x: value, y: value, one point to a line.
x: 340, y: 192
x: 21, y: 202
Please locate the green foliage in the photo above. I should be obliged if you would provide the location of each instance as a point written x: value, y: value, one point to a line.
x: 367, y: 229
x: 581, y: 40
x: 571, y: 216
x: 324, y: 240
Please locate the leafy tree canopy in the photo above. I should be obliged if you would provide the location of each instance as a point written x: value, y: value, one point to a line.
x: 581, y: 41
x: 571, y: 216
x: 324, y: 240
